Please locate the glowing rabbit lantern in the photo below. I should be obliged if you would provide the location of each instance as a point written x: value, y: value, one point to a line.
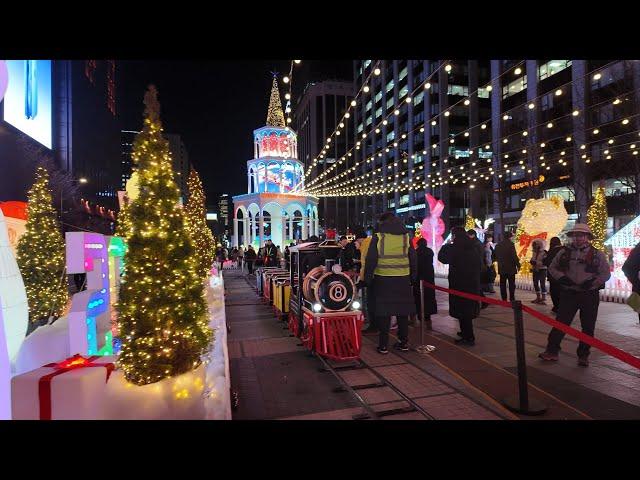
x: 15, y: 309
x: 433, y: 226
x: 541, y: 219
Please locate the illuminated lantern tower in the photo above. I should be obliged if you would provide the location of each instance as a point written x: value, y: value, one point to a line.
x: 270, y: 209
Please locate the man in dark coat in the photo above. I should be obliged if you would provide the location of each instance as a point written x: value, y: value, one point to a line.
x: 464, y: 275
x: 477, y: 244
x: 508, y: 265
x: 631, y: 269
x: 250, y: 257
x: 347, y: 254
x: 425, y: 272
x: 391, y: 268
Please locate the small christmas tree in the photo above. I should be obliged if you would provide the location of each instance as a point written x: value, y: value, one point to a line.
x: 123, y: 226
x: 195, y: 213
x: 41, y: 255
x: 275, y: 115
x: 162, y: 312
x: 597, y: 218
x: 469, y: 222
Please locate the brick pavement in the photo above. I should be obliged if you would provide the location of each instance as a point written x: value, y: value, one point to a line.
x: 608, y: 388
x: 277, y: 379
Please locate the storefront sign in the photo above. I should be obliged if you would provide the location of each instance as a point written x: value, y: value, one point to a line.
x: 533, y: 183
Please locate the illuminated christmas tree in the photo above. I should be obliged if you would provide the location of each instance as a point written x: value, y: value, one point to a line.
x: 162, y: 313
x: 275, y: 115
x: 597, y: 218
x: 195, y: 214
x: 123, y: 226
x: 41, y: 254
x: 469, y: 222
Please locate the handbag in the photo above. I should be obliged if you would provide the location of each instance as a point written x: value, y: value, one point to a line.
x: 634, y: 301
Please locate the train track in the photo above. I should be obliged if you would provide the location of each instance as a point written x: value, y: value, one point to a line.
x: 371, y: 413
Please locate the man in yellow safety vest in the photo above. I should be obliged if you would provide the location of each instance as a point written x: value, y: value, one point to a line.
x: 391, y: 268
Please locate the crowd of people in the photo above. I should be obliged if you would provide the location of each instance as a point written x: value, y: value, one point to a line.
x: 390, y: 273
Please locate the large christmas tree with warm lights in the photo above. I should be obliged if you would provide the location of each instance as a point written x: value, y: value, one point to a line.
x: 41, y: 254
x: 196, y: 216
x: 162, y: 313
x: 597, y: 218
x: 123, y: 225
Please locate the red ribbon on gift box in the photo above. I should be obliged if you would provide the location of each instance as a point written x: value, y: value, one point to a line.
x: 72, y: 363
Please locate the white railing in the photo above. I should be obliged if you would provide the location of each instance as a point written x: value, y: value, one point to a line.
x: 617, y: 289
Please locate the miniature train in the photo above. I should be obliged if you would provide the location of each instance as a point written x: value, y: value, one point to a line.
x: 319, y: 301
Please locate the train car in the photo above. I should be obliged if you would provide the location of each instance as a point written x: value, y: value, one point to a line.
x: 324, y: 310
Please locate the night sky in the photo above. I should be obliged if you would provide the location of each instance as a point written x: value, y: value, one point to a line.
x: 213, y: 105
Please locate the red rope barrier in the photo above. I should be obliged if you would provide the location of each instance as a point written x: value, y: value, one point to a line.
x: 594, y: 342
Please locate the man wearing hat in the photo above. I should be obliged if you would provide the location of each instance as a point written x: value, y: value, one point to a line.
x: 581, y: 270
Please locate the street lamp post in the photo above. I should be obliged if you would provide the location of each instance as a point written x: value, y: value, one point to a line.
x: 81, y: 180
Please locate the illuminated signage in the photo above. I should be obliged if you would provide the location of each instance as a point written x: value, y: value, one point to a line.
x: 4, y: 78
x: 533, y: 183
x: 212, y: 216
x: 407, y: 209
x: 27, y: 101
x: 275, y: 142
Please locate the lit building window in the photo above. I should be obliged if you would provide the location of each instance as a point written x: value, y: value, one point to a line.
x: 458, y: 90
x: 402, y: 74
x: 552, y: 67
x: 514, y: 87
x: 403, y: 92
x: 390, y: 86
x: 378, y: 96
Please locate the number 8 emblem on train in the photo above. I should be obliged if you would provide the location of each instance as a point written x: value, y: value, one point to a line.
x: 318, y: 300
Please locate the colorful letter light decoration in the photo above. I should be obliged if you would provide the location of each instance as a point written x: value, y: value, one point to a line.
x: 90, y: 316
x: 15, y: 308
x: 117, y: 250
x: 433, y: 226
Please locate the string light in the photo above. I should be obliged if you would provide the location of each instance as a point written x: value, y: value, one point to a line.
x: 161, y: 306
x: 41, y: 253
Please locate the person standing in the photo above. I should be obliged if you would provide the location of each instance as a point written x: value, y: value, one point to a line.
x: 464, y: 275
x: 391, y: 268
x: 539, y: 269
x: 581, y: 270
x: 250, y: 258
x: 631, y: 269
x: 425, y: 273
x: 490, y: 275
x: 555, y: 245
x: 347, y: 254
x: 241, y: 257
x: 270, y: 254
x: 508, y: 265
x: 369, y: 302
x: 287, y: 256
x: 479, y: 247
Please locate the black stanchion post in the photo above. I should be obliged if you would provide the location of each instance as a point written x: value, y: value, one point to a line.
x: 522, y: 404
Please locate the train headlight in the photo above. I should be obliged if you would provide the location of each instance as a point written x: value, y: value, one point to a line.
x: 317, y: 307
x: 356, y: 305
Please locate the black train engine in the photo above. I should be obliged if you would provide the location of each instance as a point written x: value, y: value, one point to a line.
x: 324, y: 310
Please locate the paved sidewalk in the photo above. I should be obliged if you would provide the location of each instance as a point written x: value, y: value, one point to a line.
x: 607, y: 389
x: 277, y: 379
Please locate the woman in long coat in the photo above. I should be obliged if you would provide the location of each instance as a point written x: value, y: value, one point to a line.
x: 464, y: 275
x: 426, y: 273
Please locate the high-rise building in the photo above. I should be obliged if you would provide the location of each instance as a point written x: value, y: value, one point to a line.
x: 73, y: 120
x: 317, y: 113
x: 485, y: 136
x: 179, y: 157
x: 223, y: 210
